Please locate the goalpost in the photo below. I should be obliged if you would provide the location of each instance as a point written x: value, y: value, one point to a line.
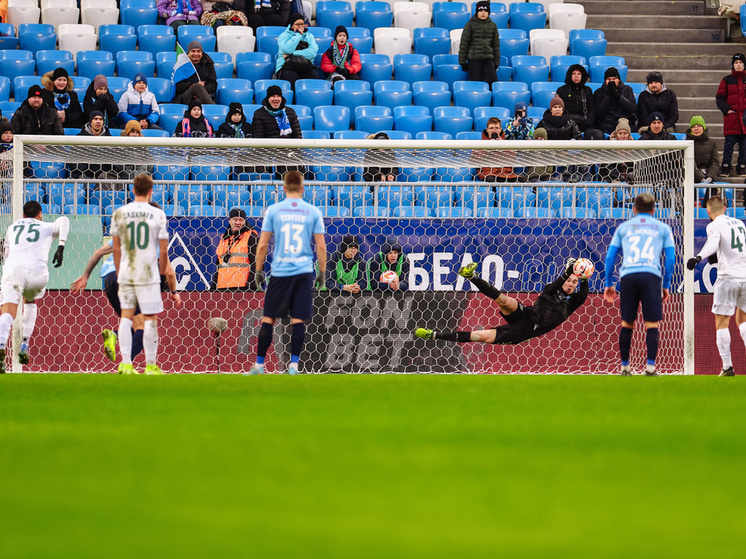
x: 519, y: 208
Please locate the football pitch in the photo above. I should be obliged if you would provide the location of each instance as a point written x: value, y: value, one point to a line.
x: 371, y: 466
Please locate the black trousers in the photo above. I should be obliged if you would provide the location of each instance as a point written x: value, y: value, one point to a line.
x: 482, y: 71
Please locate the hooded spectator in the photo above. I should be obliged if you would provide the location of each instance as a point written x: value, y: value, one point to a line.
x: 558, y: 124
x: 98, y: 98
x: 657, y: 98
x: 479, y: 49
x: 235, y: 125
x: 194, y: 124
x: 706, y: 161
x: 341, y: 61
x: 520, y: 127
x: 614, y: 100
x: 35, y: 116
x: 346, y: 268
x: 656, y: 131
x: 580, y: 103
x: 63, y: 98
x: 274, y: 119
x: 138, y: 103
x: 202, y: 85
x: 731, y: 100
x: 297, y: 51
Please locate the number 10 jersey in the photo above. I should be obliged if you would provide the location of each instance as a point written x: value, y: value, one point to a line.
x: 139, y: 227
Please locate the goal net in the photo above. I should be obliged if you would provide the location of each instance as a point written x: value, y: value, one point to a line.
x: 518, y: 209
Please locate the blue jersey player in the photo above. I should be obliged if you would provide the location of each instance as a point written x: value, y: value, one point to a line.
x: 642, y: 239
x: 293, y: 223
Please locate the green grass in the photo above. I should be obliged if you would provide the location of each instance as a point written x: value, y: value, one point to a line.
x: 102, y: 466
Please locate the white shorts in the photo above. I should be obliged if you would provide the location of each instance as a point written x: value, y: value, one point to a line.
x: 729, y: 295
x: 147, y: 296
x: 23, y: 283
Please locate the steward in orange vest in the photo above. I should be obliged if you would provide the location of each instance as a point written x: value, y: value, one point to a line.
x: 236, y: 253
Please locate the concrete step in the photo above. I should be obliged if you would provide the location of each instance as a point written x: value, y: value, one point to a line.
x: 712, y: 35
x: 698, y: 103
x: 652, y: 47
x: 665, y: 62
x: 693, y: 77
x: 644, y: 7
x: 669, y: 23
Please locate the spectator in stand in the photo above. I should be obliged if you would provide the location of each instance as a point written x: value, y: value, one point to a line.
x: 731, y: 100
x: 493, y: 131
x: 657, y: 98
x: 129, y: 171
x: 614, y: 100
x: 622, y: 131
x: 297, y: 50
x: 35, y: 116
x: 274, y: 119
x: 63, y: 98
x: 390, y: 259
x: 179, y: 12
x: 387, y: 158
x: 558, y: 124
x: 235, y: 125
x: 132, y: 129
x: 656, y: 130
x: 520, y: 127
x: 580, y: 103
x: 204, y: 84
x: 341, y: 61
x: 479, y: 50
x: 95, y: 126
x: 138, y: 103
x: 267, y: 12
x: 539, y: 173
x: 706, y: 161
x: 98, y: 98
x: 6, y: 157
x: 346, y: 268
x: 618, y: 172
x: 224, y: 12
x: 194, y: 124
x: 236, y: 255
x: 101, y: 171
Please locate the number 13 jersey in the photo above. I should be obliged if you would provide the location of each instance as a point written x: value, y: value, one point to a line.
x: 293, y: 223
x: 139, y: 227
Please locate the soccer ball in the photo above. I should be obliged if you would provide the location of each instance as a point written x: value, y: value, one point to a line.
x: 583, y: 268
x: 389, y: 276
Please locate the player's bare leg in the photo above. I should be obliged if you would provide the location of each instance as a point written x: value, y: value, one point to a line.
x: 722, y: 337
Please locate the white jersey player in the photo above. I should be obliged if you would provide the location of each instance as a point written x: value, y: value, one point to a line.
x: 140, y: 235
x: 726, y: 237
x: 25, y: 272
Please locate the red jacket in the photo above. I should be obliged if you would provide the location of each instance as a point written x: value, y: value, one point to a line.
x: 732, y: 95
x: 352, y: 64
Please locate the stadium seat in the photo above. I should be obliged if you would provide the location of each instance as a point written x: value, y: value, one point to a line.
x: 513, y: 42
x: 23, y: 13
x: 50, y: 60
x: 455, y: 212
x: 450, y: 15
x: 216, y: 115
x: 376, y: 67
x: 392, y: 93
x: 161, y: 88
x: 7, y: 108
x: 202, y: 33
x: 232, y: 90
x: 351, y: 197
x: 233, y: 42
x: 153, y: 133
x: 412, y: 19
x: 372, y: 15
x: 117, y: 37
x: 15, y: 63
x: 137, y: 15
x: 531, y: 212
x: 351, y: 94
x: 527, y: 16
x: 131, y: 62
x: 254, y: 66
x: 266, y: 39
x: 177, y: 173
x: 474, y: 197
x: 171, y: 115
x: 156, y: 38
x: 223, y: 64
x: 498, y: 13
x: 550, y: 46
x: 588, y: 47
x: 80, y: 85
x: 164, y: 64
x: 361, y: 39
x: 455, y: 35
x: 452, y: 119
x: 412, y: 119
x: 555, y: 197
x: 371, y: 211
x: 433, y: 135
x: 507, y: 94
x: 313, y: 92
x: 331, y: 118
x: 494, y: 213
x: 586, y: 34
x: 206, y: 169
x: 60, y: 15
x: 483, y: 114
x: 391, y: 41
x: 529, y: 69
x: 394, y: 196
x: 431, y: 94
x: 412, y: 68
x: 560, y: 64
x: 261, y: 86
x: 568, y: 21
x: 578, y: 213
x: 543, y: 92
x: 469, y: 135
x: 431, y: 41
x: 99, y: 16
x: 448, y: 72
x: 104, y: 198
x: 331, y: 13
x: 599, y: 65
x: 206, y: 210
x: 351, y: 134
x: 471, y: 94
x: 48, y: 170
x: 5, y: 86
x: 76, y: 38
x: 305, y: 116
x: 433, y: 197
x: 8, y: 39
x: 36, y: 36
x: 118, y: 85
x: 22, y: 83
x: 94, y: 62
x: 374, y: 118
x: 454, y: 174
x: 637, y: 88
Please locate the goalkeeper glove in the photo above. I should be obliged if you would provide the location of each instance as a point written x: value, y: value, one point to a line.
x: 321, y: 279
x: 692, y: 262
x: 713, y: 258
x: 568, y: 266
x: 58, y: 256
x: 259, y: 280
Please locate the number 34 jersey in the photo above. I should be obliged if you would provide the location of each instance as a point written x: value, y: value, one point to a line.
x: 642, y: 240
x: 28, y: 241
x: 139, y: 227
x: 727, y: 236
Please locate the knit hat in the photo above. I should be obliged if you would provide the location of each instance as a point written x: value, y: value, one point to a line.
x: 94, y: 114
x: 483, y: 5
x: 654, y: 77
x: 697, y: 120
x: 5, y: 126
x: 340, y: 29
x: 139, y: 77
x: 540, y: 134
x: 234, y: 108
x: 236, y: 212
x: 738, y: 56
x: 556, y: 100
x: 656, y: 116
x: 623, y: 124
x: 100, y: 81
x: 59, y: 73
x: 347, y: 242
x: 131, y: 125
x: 612, y: 73
x: 194, y: 103
x: 295, y: 17
x: 194, y: 45
x: 519, y: 106
x: 34, y: 91
x: 379, y: 136
x: 273, y: 90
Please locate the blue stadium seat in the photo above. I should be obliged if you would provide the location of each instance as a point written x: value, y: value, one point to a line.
x: 8, y: 39
x: 305, y: 116
x: 392, y: 93
x: 331, y: 173
x: 450, y: 15
x: 7, y: 108
x: 529, y: 69
x: 223, y: 64
x: 48, y: 170
x: 483, y: 114
x: 331, y: 13
x: 494, y: 212
x: 156, y: 38
x: 448, y: 71
x: 531, y: 212
x: 433, y: 135
x: 412, y: 68
x: 104, y: 198
x: 164, y: 64
x: 498, y: 13
x: 202, y: 33
x: 37, y: 36
x: 51, y: 209
x: 266, y: 39
x: 560, y: 64
x: 452, y: 119
x: 331, y: 118
x: 372, y: 14
x: 412, y: 211
x: 136, y: 17
x: 261, y: 86
x: 118, y: 85
x: 469, y: 135
x: 216, y: 115
x: 374, y: 118
x: 637, y: 88
x: 232, y: 90
x: 319, y: 194
x: 586, y: 34
x: 370, y: 211
x: 313, y: 93
x: 176, y: 173
x: 507, y: 94
x: 192, y: 194
x: 50, y: 60
x: 595, y: 197
x: 599, y: 65
x: 536, y: 112
x: 513, y: 42
x: 471, y: 94
x: 16, y: 63
x: 431, y: 41
x: 81, y: 209
x: 171, y: 115
x: 505, y: 70
x: 588, y: 47
x: 94, y: 62
x: 543, y: 92
x: 4, y: 88
x: 204, y: 169
x: 354, y: 196
x: 454, y: 212
x: 375, y: 67
x: 431, y: 94
x: 360, y: 38
x: 351, y: 94
x: 21, y: 85
x: 35, y: 192
x: 416, y: 174
x: 474, y: 196
x: 515, y: 197
x: 334, y: 211
x: 433, y: 197
x: 454, y: 174
x: 527, y: 16
x: 131, y: 62
x: 153, y: 133
x: 412, y: 119
x: 395, y: 196
x: 578, y: 213
x: 115, y: 37
x: 80, y: 85
x: 351, y: 134
x: 206, y: 210
x: 254, y: 66
x: 555, y: 197
x: 161, y: 88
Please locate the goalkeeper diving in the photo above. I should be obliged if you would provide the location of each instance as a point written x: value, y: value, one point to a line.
x: 556, y: 303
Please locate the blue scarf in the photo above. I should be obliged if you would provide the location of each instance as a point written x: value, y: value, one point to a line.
x: 340, y: 57
x: 179, y: 7
x: 237, y: 130
x: 261, y: 4
x: 61, y: 100
x: 282, y: 121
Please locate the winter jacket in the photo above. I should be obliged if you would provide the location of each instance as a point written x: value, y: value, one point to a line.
x: 345, y: 271
x: 264, y: 124
x: 493, y: 174
x: 731, y: 95
x: 561, y: 127
x: 227, y: 130
x: 706, y: 160
x: 86, y: 131
x: 480, y: 40
x: 663, y: 135
x: 56, y: 99
x: 580, y: 102
x: 664, y: 102
x: 288, y: 42
x: 205, y: 72
x: 168, y: 10
x: 105, y: 103
x: 352, y: 63
x: 379, y: 264
x: 194, y: 127
x: 613, y: 103
x: 523, y: 131
x: 43, y: 121
x: 138, y: 106
x: 236, y: 254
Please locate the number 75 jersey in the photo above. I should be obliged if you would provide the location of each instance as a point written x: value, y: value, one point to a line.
x: 28, y: 241
x: 139, y: 227
x: 642, y: 240
x: 727, y: 236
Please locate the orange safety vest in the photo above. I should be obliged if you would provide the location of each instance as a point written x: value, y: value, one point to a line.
x: 235, y: 273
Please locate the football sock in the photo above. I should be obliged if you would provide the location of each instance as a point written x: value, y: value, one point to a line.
x: 625, y: 342
x: 125, y: 340
x: 723, y: 341
x: 263, y: 341
x: 742, y: 329
x: 485, y: 287
x: 453, y: 336
x: 6, y: 321
x: 150, y: 341
x: 651, y: 340
x: 297, y: 337
x: 30, y: 312
x: 137, y: 346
